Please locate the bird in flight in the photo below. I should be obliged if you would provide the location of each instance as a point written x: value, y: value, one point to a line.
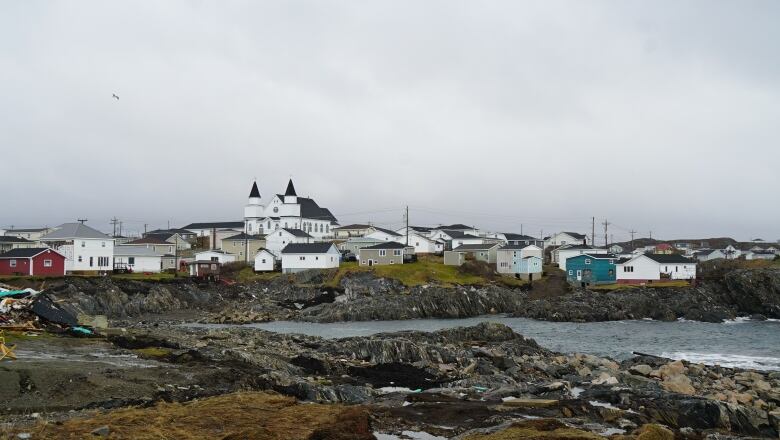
x: 113, y: 95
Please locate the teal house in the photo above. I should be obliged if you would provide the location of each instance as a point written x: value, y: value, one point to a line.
x: 585, y: 270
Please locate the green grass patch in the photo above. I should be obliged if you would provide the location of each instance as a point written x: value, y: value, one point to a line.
x: 153, y: 352
x: 423, y: 271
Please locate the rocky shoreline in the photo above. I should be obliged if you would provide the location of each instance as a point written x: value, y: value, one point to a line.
x: 416, y: 381
x: 363, y: 297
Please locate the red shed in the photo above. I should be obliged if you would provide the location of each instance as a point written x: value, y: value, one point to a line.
x: 41, y: 262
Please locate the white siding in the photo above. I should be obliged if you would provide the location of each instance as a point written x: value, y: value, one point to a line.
x: 264, y: 261
x: 85, y: 250
x: 221, y: 257
x: 299, y: 262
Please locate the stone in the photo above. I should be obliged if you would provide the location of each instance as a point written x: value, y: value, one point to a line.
x: 675, y: 368
x: 653, y: 431
x: 531, y: 403
x: 774, y: 419
x: 605, y: 379
x: 678, y: 384
x: 102, y: 431
x: 761, y: 385
x: 24, y: 436
x: 641, y: 369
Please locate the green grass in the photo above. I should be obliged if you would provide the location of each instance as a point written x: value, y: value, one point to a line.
x: 424, y: 271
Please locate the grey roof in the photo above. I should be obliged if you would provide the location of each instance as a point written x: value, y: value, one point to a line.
x: 668, y: 258
x: 475, y: 247
x: 27, y: 230
x: 215, y: 225
x: 387, y: 245
x: 598, y: 256
x: 150, y: 239
x: 297, y: 232
x: 25, y: 252
x: 243, y: 237
x: 307, y: 248
x: 388, y: 231
x: 576, y: 247
x: 310, y: 209
x: 519, y: 237
x: 516, y: 247
x: 12, y: 239
x: 456, y: 226
x: 458, y: 234
x: 576, y: 235
x: 67, y: 231
x: 354, y: 226
x: 136, y: 251
x: 706, y: 251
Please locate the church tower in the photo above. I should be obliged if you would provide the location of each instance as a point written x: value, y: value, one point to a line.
x: 289, y: 195
x: 253, y: 211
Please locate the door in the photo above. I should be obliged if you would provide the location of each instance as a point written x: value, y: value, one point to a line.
x: 370, y: 262
x: 579, y: 275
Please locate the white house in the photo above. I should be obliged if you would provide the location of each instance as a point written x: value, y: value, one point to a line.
x: 142, y: 259
x: 759, y: 255
x: 84, y: 248
x: 709, y: 254
x: 423, y: 244
x: 287, y: 211
x: 466, y: 229
x: 352, y: 231
x: 206, y: 229
x: 32, y: 234
x: 280, y: 238
x: 383, y: 234
x: 560, y: 255
x: 562, y: 238
x: 297, y: 257
x: 511, y: 238
x: 647, y: 268
x: 215, y: 255
x: 264, y: 261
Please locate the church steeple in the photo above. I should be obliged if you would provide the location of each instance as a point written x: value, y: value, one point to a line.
x: 290, y: 189
x: 254, y: 192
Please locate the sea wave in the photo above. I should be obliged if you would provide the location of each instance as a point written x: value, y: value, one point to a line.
x: 728, y: 360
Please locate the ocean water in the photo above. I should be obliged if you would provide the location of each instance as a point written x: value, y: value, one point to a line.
x: 740, y: 343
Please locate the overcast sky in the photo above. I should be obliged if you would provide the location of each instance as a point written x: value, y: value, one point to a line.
x: 659, y: 116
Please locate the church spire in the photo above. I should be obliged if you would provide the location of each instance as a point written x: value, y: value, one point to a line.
x: 254, y: 192
x: 290, y: 189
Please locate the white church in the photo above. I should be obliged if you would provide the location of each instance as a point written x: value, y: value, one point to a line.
x: 287, y: 211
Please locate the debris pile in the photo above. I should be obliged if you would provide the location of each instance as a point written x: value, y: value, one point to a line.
x: 29, y: 310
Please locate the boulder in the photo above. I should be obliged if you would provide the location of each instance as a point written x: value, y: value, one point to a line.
x: 678, y: 384
x: 653, y: 431
x: 641, y: 369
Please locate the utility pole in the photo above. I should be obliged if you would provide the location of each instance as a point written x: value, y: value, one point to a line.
x: 176, y: 257
x: 593, y: 231
x: 521, y: 229
x: 81, y: 220
x: 145, y: 225
x: 114, y: 222
x: 120, y: 228
x: 632, y: 232
x: 651, y: 235
x: 407, y: 225
x: 606, y: 229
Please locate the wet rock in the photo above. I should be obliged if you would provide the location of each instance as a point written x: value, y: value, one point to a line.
x: 641, y: 369
x: 678, y: 384
x: 653, y: 431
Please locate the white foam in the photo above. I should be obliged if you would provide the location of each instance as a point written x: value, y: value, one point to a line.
x: 603, y: 404
x: 728, y: 360
x: 576, y: 391
x: 737, y: 320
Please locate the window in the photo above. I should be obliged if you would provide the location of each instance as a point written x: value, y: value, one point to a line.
x: 363, y: 262
x: 13, y: 263
x: 317, y: 258
x: 397, y: 252
x: 214, y: 258
x: 47, y: 263
x: 571, y: 272
x: 131, y: 260
x: 213, y: 267
x: 79, y: 258
x: 391, y: 262
x: 579, y: 273
x: 83, y: 243
x: 676, y: 268
x: 382, y: 253
x: 91, y: 261
x: 102, y: 244
x: 262, y: 260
